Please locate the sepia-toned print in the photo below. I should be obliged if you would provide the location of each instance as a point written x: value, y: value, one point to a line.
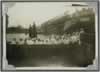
x: 50, y: 34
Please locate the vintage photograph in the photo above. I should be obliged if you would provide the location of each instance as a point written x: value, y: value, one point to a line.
x: 49, y: 34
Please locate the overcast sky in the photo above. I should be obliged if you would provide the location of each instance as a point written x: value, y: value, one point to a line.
x: 25, y: 14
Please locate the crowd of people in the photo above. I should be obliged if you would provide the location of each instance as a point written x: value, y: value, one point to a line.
x: 51, y: 39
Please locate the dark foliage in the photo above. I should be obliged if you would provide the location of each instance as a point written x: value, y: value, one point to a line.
x: 18, y: 29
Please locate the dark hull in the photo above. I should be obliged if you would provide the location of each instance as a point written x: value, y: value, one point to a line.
x: 72, y: 54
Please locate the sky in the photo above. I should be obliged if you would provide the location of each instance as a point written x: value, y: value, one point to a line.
x: 25, y: 14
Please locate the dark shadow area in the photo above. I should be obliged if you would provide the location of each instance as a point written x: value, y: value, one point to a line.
x: 35, y: 55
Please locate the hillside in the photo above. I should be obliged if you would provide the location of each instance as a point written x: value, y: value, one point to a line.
x: 70, y: 23
x: 55, y: 25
